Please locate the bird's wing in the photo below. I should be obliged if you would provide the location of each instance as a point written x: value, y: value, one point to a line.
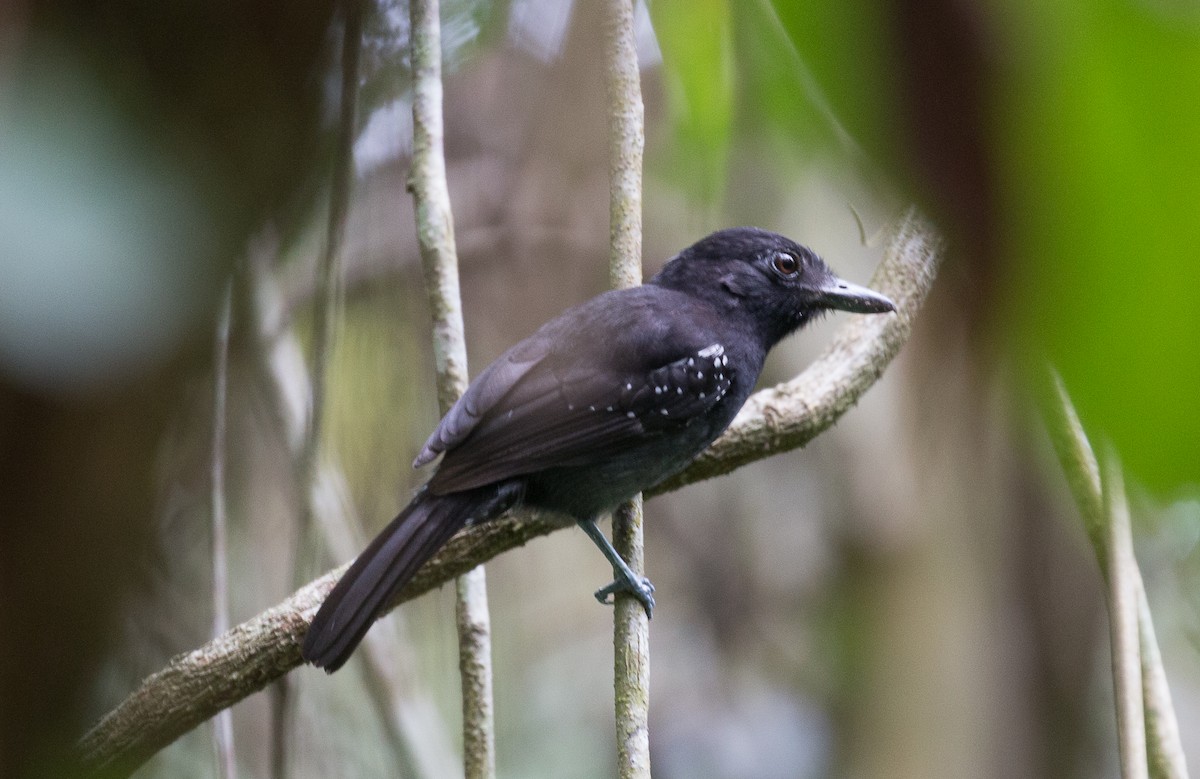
x: 551, y: 419
x: 488, y: 389
x: 573, y: 398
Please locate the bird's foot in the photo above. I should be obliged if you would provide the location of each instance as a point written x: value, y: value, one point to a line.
x: 639, y: 587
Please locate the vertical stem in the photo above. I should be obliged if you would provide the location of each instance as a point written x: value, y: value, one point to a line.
x: 626, y: 139
x: 223, y: 723
x: 631, y: 626
x: 435, y: 233
x: 1164, y: 746
x: 475, y: 671
x: 431, y: 196
x: 631, y: 652
x: 1079, y: 464
x: 1098, y: 503
x: 324, y: 325
x: 1123, y: 625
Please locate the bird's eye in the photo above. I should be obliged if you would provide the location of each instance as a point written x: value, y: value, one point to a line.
x: 785, y: 264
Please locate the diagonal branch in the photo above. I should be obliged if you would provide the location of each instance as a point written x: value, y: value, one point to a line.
x: 198, y: 684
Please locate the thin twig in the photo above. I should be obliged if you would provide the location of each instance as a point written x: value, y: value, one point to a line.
x: 1164, y: 747
x: 435, y: 233
x: 1079, y: 464
x: 431, y: 201
x: 475, y: 670
x: 223, y: 723
x: 324, y: 324
x: 631, y: 652
x: 196, y: 685
x: 1123, y: 626
x: 626, y: 141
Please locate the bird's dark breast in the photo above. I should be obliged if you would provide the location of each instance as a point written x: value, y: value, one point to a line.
x: 588, y: 491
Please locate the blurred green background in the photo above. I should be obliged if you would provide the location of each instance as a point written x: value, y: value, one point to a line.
x: 909, y: 596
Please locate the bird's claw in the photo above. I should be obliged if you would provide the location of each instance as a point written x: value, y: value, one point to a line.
x: 642, y: 589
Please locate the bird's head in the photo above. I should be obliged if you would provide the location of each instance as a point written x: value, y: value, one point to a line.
x: 777, y: 283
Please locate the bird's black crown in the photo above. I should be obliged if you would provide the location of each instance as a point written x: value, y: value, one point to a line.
x: 767, y: 280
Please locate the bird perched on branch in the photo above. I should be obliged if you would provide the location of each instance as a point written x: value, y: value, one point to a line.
x: 605, y: 401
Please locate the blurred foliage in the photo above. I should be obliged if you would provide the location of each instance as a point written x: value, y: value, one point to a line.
x: 378, y: 370
x: 1098, y: 145
x: 140, y: 144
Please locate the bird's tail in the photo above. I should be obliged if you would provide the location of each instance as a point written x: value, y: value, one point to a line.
x: 389, y: 562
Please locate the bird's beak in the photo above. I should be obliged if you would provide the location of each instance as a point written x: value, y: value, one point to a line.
x: 845, y: 296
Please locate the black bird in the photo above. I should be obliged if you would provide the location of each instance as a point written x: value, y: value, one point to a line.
x: 608, y: 399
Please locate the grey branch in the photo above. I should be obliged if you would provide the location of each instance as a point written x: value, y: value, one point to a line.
x: 196, y: 685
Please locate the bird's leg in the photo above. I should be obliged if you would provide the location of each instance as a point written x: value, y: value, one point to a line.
x: 626, y: 580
